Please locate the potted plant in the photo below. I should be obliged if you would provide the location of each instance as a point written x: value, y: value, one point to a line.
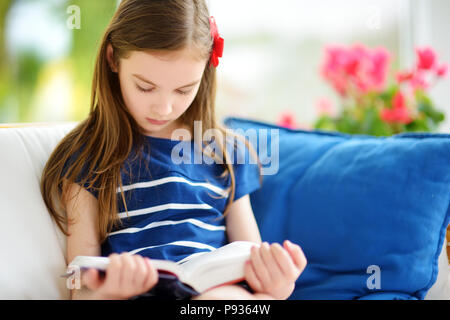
x: 370, y: 106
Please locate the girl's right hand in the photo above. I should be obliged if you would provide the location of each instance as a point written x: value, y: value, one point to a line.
x: 126, y: 276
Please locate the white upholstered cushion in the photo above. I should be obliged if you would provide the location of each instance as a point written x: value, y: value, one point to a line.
x: 32, y: 249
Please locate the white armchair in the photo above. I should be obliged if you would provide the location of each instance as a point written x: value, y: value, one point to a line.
x: 32, y: 248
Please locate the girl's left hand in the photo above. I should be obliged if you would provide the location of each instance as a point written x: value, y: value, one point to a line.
x: 273, y: 269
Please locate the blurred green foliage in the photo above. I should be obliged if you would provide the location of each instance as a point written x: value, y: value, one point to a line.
x: 95, y: 18
x: 22, y: 74
x: 5, y: 70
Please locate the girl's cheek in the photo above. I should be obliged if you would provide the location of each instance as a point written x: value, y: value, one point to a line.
x: 128, y: 97
x: 138, y: 103
x: 181, y: 107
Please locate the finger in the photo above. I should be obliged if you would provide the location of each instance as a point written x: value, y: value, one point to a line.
x: 297, y: 255
x: 260, y: 268
x: 285, y: 262
x: 91, y: 279
x: 112, y: 279
x: 271, y: 263
x: 127, y: 272
x: 152, y: 275
x: 140, y: 273
x: 251, y: 278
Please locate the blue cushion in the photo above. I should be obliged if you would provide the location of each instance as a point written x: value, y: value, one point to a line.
x: 355, y: 201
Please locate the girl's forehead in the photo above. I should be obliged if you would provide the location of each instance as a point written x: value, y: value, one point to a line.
x: 170, y: 68
x: 184, y: 56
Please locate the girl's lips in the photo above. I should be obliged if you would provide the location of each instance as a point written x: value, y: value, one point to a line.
x: 153, y: 121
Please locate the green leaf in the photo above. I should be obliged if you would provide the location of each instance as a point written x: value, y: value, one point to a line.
x: 428, y: 109
x: 418, y: 124
x: 325, y: 123
x: 388, y: 94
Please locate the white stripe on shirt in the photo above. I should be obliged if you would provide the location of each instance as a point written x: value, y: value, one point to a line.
x: 153, y: 183
x: 190, y: 244
x: 196, y: 222
x: 164, y: 207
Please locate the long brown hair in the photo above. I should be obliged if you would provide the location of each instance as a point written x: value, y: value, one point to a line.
x: 104, y: 140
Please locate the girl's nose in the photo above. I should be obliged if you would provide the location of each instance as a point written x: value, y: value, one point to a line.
x: 162, y: 109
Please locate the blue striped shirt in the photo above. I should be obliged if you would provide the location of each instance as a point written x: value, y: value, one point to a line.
x: 175, y: 210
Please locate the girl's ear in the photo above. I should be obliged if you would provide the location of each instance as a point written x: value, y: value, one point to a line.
x: 110, y: 57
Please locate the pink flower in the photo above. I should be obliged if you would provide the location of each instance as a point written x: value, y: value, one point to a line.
x: 333, y: 68
x: 441, y: 71
x: 426, y: 58
x: 399, y: 113
x: 340, y: 85
x: 418, y: 81
x: 287, y: 120
x: 353, y: 58
x: 398, y: 101
x: 379, y: 68
x: 404, y: 76
x: 325, y: 107
x: 331, y: 64
x: 395, y: 115
x: 357, y: 67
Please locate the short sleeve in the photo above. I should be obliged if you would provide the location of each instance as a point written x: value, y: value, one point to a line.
x: 247, y: 179
x: 246, y: 172
x: 84, y: 172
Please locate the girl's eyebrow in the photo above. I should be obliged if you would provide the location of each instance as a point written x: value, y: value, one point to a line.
x: 149, y: 82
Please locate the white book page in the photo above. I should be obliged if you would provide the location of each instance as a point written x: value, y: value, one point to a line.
x: 219, y: 266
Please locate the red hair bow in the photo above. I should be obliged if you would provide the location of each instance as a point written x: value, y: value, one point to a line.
x: 218, y: 43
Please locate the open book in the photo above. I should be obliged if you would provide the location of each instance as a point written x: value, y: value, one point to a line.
x: 222, y: 266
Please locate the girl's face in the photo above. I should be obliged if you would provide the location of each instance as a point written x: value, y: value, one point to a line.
x: 158, y: 88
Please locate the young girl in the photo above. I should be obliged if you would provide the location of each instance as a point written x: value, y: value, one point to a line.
x: 112, y: 185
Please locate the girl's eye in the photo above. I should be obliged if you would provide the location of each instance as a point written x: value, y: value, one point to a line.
x: 183, y: 92
x: 151, y: 89
x: 143, y: 90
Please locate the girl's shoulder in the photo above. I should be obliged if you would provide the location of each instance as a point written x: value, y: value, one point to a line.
x: 83, y: 170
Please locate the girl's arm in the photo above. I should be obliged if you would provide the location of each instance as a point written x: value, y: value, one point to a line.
x: 126, y: 276
x: 241, y: 223
x: 83, y: 229
x: 272, y: 269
